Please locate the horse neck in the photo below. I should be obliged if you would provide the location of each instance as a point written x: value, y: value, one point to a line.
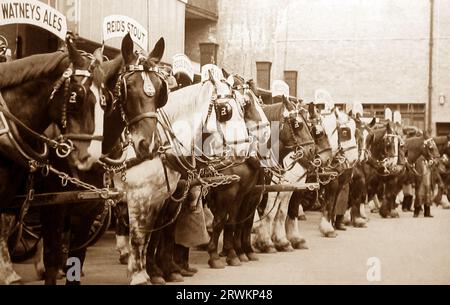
x: 415, y: 149
x: 30, y: 103
x: 113, y: 128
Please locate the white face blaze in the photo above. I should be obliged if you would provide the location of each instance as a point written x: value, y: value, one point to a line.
x: 95, y: 147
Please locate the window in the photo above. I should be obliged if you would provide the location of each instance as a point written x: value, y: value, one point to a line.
x: 263, y: 74
x: 290, y: 77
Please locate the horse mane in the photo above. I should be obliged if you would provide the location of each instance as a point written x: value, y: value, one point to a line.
x: 414, y: 147
x: 107, y: 71
x: 273, y: 112
x: 29, y: 68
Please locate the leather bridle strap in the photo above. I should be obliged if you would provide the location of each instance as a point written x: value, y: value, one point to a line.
x: 143, y: 116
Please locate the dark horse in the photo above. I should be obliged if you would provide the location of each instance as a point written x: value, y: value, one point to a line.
x: 37, y: 91
x: 172, y: 258
x: 136, y: 88
x: 384, y: 165
x: 442, y: 172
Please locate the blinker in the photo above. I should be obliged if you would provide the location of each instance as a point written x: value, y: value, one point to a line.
x: 149, y: 89
x: 344, y: 134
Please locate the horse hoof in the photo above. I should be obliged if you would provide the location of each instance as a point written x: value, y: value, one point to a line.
x: 285, y: 248
x: 252, y: 257
x: 302, y: 218
x: 234, y: 262
x: 216, y: 264
x: 375, y: 211
x: 187, y: 273
x: 243, y: 258
x: 175, y: 278
x: 139, y: 279
x: 359, y: 223
x: 265, y: 248
x: 394, y: 214
x: 300, y: 245
x: 13, y: 279
x: 157, y: 280
x: 123, y: 259
x: 331, y: 234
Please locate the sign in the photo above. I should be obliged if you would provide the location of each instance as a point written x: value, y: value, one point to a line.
x: 35, y: 13
x: 358, y: 109
x: 117, y: 26
x: 182, y: 64
x: 215, y: 71
x: 280, y: 88
x: 388, y: 114
x: 397, y: 117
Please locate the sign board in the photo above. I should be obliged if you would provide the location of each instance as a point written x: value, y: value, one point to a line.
x: 280, y: 88
x: 182, y: 64
x: 117, y: 26
x: 215, y: 70
x: 35, y: 13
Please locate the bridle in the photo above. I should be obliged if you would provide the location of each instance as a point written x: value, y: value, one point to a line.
x: 248, y: 98
x: 63, y: 145
x: 120, y: 96
x: 72, y: 98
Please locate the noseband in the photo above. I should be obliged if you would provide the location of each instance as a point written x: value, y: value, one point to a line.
x: 71, y: 98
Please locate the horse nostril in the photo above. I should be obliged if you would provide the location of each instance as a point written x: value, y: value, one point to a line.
x: 144, y: 147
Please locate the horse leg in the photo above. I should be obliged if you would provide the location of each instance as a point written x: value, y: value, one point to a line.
x: 165, y: 250
x: 122, y: 233
x: 293, y: 225
x: 357, y: 197
x: 263, y: 241
x: 229, y: 236
x: 252, y: 202
x: 7, y: 274
x: 325, y: 226
x: 52, y: 219
x: 279, y: 224
x: 139, y: 236
x: 220, y: 216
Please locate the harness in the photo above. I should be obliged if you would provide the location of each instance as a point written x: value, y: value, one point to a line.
x: 63, y: 145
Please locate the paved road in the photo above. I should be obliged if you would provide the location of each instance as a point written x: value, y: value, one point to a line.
x: 411, y: 251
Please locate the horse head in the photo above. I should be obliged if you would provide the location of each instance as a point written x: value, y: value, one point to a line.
x: 295, y: 135
x: 257, y: 123
x: 76, y: 106
x: 324, y: 151
x: 364, y: 132
x: 140, y: 90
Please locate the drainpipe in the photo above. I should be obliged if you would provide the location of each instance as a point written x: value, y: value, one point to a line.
x: 430, y: 69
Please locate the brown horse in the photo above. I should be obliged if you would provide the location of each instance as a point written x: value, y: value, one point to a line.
x: 58, y: 88
x: 442, y: 172
x: 121, y: 114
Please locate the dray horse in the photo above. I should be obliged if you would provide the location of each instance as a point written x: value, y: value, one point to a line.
x: 340, y: 129
x: 135, y: 88
x: 275, y: 230
x: 32, y: 98
x: 151, y: 182
x: 174, y: 259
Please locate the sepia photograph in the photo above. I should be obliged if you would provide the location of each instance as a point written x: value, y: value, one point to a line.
x: 241, y: 144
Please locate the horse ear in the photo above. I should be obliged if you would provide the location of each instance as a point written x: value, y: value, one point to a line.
x: 74, y: 54
x: 98, y: 54
x: 350, y: 114
x: 158, y: 51
x: 372, y: 124
x: 287, y: 103
x: 230, y: 80
x: 225, y: 73
x: 312, y: 110
x: 211, y: 77
x: 252, y: 85
x: 127, y: 49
